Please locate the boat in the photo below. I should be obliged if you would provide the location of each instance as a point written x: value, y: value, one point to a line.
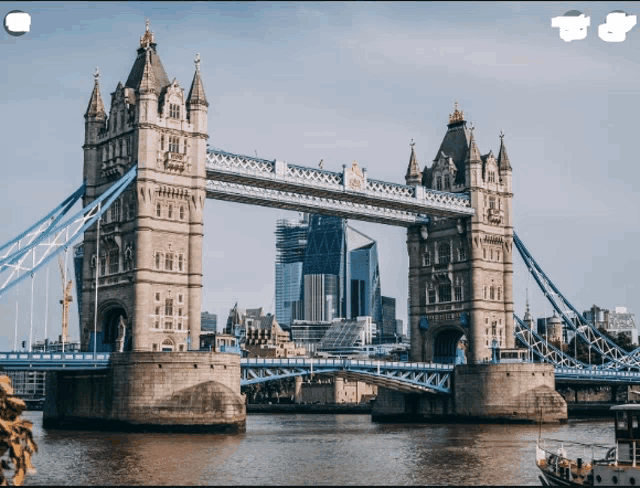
x: 619, y: 466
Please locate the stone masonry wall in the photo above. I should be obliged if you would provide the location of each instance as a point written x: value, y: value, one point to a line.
x: 152, y: 391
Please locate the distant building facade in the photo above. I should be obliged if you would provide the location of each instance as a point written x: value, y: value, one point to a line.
x: 616, y: 321
x: 335, y: 390
x: 208, y: 322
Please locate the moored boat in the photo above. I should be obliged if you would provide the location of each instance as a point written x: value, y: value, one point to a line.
x: 619, y: 466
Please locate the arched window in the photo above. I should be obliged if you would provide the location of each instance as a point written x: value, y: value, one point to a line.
x: 438, y: 183
x: 446, y: 182
x: 426, y: 259
x: 167, y: 345
x: 444, y: 253
x: 168, y: 261
x: 158, y: 210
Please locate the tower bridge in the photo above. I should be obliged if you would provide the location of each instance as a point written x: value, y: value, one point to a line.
x: 147, y: 174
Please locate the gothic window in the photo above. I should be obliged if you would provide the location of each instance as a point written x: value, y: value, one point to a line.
x: 179, y: 298
x: 458, y: 293
x: 179, y: 312
x: 168, y: 307
x: 167, y: 345
x: 103, y: 264
x: 158, y: 258
x: 444, y: 293
x: 180, y: 262
x: 438, y: 183
x: 492, y: 293
x: 114, y: 261
x: 494, y: 326
x: 185, y: 147
x: 168, y: 324
x: 115, y: 211
x: 426, y: 259
x: 162, y: 143
x: 123, y: 151
x: 158, y: 210
x: 484, y: 253
x: 131, y: 209
x: 499, y: 293
x: 104, y: 153
x: 158, y: 311
x: 484, y: 292
x: 170, y: 214
x: 181, y: 213
x: 156, y: 323
x: 157, y: 296
x: 432, y: 295
x: 462, y: 253
x: 491, y: 254
x: 168, y: 261
x: 128, y: 146
x: 492, y: 177
x: 446, y: 182
x: 174, y: 144
x: 498, y: 255
x: 444, y: 253
x: 174, y: 111
x: 492, y: 202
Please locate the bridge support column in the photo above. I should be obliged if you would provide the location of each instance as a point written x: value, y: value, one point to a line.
x: 150, y: 391
x: 512, y: 392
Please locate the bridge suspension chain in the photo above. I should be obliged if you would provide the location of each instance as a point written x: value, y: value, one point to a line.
x: 55, y: 237
x: 586, y: 331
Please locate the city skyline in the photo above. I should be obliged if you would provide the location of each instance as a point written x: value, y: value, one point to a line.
x: 338, y: 82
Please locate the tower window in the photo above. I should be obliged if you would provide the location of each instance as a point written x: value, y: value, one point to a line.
x: 484, y: 253
x: 114, y: 261
x: 180, y: 262
x: 462, y: 253
x: 444, y: 293
x: 158, y: 210
x: 444, y: 253
x: 158, y: 257
x: 103, y: 264
x: 162, y: 143
x: 492, y: 201
x: 484, y: 292
x: 492, y: 177
x: 446, y: 182
x: 115, y: 211
x: 131, y: 209
x: 432, y: 295
x: 492, y: 293
x: 181, y: 213
x: 426, y: 259
x: 170, y: 214
x: 458, y: 293
x: 174, y: 111
x: 438, y: 183
x: 179, y: 298
x: 174, y: 144
x: 498, y: 255
x: 499, y: 293
x: 168, y: 307
x: 185, y: 147
x: 168, y: 262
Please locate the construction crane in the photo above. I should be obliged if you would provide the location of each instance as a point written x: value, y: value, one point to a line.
x: 67, y: 298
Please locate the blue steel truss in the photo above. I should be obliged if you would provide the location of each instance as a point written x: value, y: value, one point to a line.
x: 617, y: 358
x: 409, y: 377
x: 48, y: 237
x: 349, y: 194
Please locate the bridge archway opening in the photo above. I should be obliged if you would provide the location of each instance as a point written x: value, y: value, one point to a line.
x: 108, y: 334
x: 450, y: 346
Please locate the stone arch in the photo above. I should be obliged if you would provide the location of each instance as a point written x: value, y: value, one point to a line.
x: 167, y: 345
x: 109, y: 314
x: 445, y: 342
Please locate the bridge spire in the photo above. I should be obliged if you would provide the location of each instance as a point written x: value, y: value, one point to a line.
x: 503, y: 158
x: 474, y: 153
x: 196, y: 93
x: 148, y: 80
x: 95, y: 109
x: 413, y: 176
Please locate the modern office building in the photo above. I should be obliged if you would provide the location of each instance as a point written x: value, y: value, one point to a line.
x: 615, y: 321
x: 389, y: 329
x: 291, y: 244
x: 208, y: 322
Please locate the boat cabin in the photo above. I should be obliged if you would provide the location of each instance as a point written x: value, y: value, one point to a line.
x: 627, y: 433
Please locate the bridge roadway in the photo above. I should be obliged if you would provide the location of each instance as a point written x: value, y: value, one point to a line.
x: 401, y: 376
x: 349, y: 194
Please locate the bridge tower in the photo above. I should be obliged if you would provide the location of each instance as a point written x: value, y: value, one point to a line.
x: 460, y: 271
x: 149, y: 258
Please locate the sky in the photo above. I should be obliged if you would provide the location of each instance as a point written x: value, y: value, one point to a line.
x: 340, y: 82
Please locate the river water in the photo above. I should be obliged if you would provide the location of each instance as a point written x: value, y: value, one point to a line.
x: 292, y: 449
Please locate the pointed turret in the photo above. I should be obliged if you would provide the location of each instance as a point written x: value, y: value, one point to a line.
x: 196, y: 93
x: 413, y: 176
x: 147, y: 61
x: 96, y: 110
x: 147, y: 81
x: 503, y: 159
x: 474, y: 154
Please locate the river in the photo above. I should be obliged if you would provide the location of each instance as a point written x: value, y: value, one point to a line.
x: 303, y: 449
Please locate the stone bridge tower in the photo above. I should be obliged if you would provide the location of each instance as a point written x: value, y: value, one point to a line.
x: 149, y: 261
x: 461, y: 271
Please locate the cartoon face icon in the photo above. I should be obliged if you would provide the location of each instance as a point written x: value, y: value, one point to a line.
x: 573, y: 25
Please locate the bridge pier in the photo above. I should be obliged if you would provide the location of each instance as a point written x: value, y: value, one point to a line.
x: 150, y: 391
x: 512, y: 392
